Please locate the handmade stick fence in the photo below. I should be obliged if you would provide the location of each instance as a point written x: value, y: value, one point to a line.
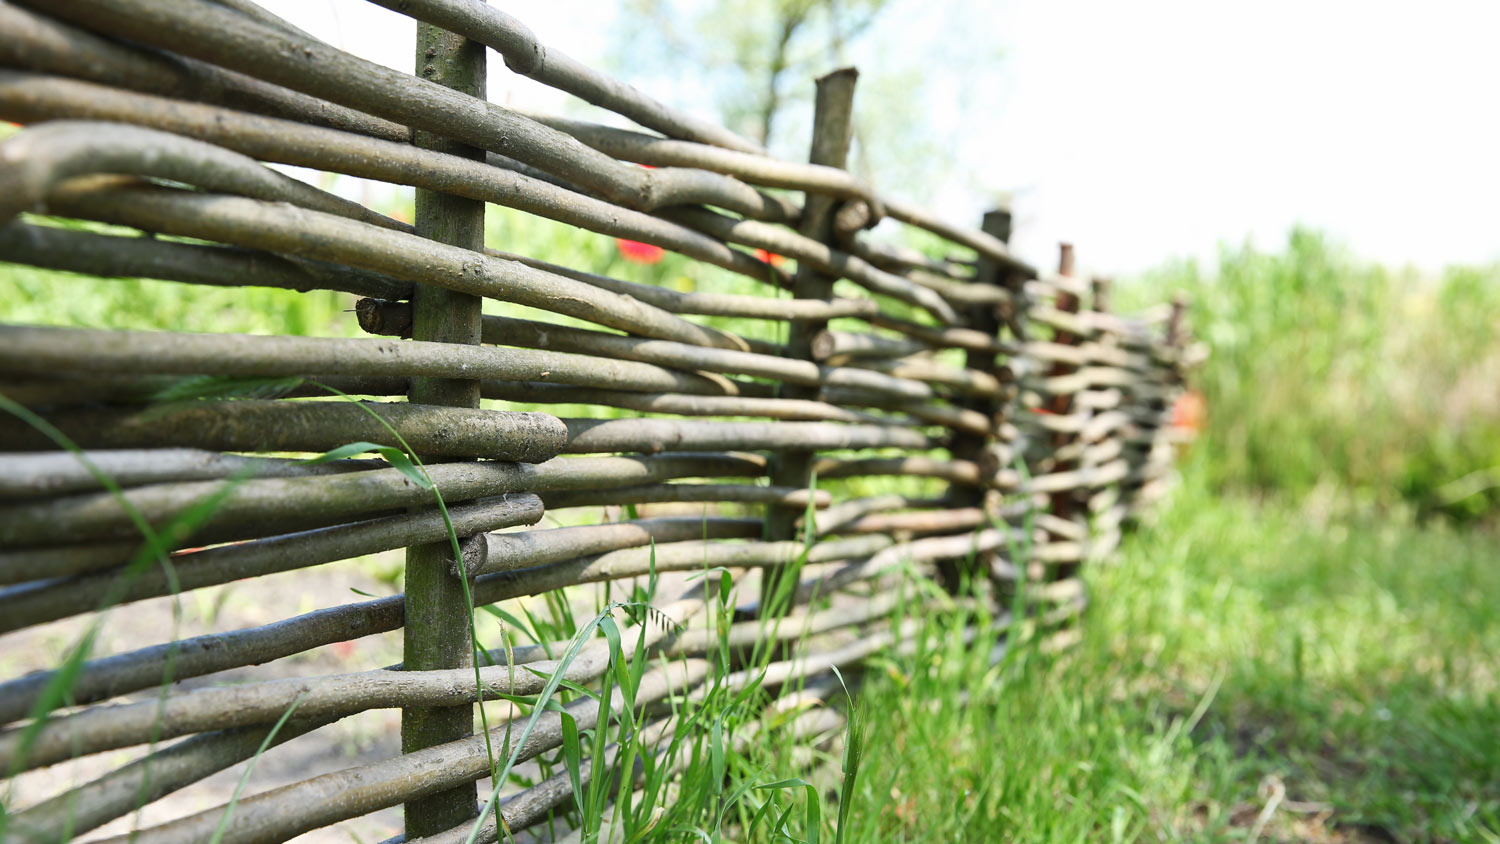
x: 875, y: 414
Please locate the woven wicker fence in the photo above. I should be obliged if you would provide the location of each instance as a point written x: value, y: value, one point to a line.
x: 139, y: 465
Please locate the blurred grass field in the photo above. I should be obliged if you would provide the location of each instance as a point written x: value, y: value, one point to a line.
x: 1301, y: 646
x: 1378, y: 384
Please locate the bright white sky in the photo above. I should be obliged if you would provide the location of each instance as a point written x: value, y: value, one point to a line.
x: 1160, y: 128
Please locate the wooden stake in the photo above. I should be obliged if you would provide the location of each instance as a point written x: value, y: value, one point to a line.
x: 437, y: 613
x: 833, y: 118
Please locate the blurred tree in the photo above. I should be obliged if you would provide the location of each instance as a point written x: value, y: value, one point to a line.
x: 755, y: 60
x: 747, y: 48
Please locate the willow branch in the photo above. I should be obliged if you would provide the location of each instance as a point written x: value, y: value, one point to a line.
x: 41, y: 43
x: 113, y: 256
x: 791, y: 627
x: 69, y: 596
x: 132, y: 671
x: 26, y: 97
x: 794, y: 498
x: 897, y: 258
x: 35, y: 161
x: 929, y: 411
x: 844, y: 345
x: 986, y: 245
x: 684, y: 405
x: 713, y: 304
x: 147, y: 780
x: 933, y: 521
x: 507, y: 551
x: 953, y: 471
x: 263, y: 502
x: 394, y: 318
x: 656, y: 435
x: 42, y: 350
x: 945, y: 337
x: 49, y: 473
x: 210, y: 33
x: 756, y: 169
x: 105, y: 728
x: 815, y: 254
x: 917, y: 551
x: 306, y: 426
x: 528, y: 57
x: 971, y: 381
x: 311, y: 234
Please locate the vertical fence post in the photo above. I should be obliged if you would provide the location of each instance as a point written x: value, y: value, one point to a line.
x: 966, y: 445
x: 1101, y: 499
x: 833, y: 123
x: 437, y: 614
x: 1063, y: 503
x: 1062, y: 405
x: 1101, y: 286
x: 1174, y: 322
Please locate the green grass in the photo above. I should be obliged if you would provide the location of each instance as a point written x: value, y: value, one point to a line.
x: 1241, y: 649
x: 1330, y: 371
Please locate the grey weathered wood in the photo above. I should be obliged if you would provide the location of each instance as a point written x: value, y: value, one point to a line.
x: 27, y: 97
x: 34, y: 162
x: 437, y: 633
x: 113, y: 256
x: 309, y: 426
x: 41, y: 43
x: 317, y: 236
x: 392, y: 318
x: 55, y: 351
x: 67, y: 596
x: 261, y: 504
x: 550, y: 66
x: 833, y: 117
x: 200, y: 29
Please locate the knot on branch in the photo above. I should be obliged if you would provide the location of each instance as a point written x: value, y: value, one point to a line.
x: 384, y: 318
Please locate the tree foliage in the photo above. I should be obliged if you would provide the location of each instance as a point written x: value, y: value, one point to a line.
x: 922, y: 75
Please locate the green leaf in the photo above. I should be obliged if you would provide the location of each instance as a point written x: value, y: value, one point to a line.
x: 392, y: 455
x: 716, y: 751
x: 518, y: 624
x: 854, y: 751
x: 760, y: 814
x: 780, y: 827
x: 573, y: 755
x: 230, y: 387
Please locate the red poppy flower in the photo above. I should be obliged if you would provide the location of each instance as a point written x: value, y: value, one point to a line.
x: 770, y: 257
x: 637, y: 252
x: 1190, y: 411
